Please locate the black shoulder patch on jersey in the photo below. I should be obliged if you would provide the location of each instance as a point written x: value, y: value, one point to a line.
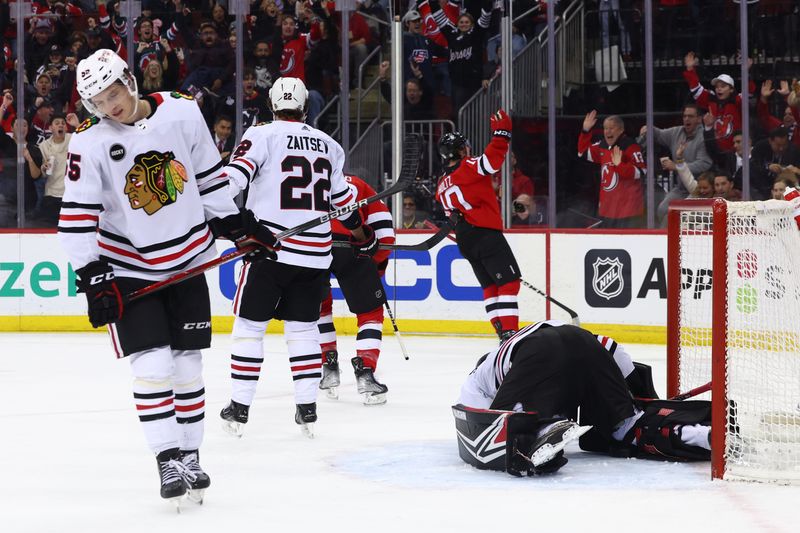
x: 177, y: 94
x: 86, y: 124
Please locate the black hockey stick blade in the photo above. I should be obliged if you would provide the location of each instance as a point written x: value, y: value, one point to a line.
x: 572, y: 314
x: 412, y: 154
x: 427, y: 244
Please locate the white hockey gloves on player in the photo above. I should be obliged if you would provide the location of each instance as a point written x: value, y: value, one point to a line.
x: 244, y: 229
x: 105, y: 300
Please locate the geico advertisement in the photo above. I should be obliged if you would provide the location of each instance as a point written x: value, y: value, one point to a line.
x: 611, y: 279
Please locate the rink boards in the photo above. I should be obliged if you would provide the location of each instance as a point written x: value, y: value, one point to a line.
x: 613, y: 280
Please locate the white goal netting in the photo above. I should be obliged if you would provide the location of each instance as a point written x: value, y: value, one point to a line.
x: 762, y: 356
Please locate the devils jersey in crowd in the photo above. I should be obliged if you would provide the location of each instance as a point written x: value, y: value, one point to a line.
x: 482, y: 384
x: 376, y: 215
x: 621, y: 192
x: 727, y: 113
x: 294, y: 174
x: 293, y: 56
x: 467, y: 188
x: 138, y: 196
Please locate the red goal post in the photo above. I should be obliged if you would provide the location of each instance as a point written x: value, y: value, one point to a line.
x: 733, y: 318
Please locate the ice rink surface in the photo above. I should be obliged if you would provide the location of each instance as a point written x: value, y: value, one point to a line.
x: 73, y: 458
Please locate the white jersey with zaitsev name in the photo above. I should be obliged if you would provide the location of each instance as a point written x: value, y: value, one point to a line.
x: 138, y: 196
x: 294, y: 174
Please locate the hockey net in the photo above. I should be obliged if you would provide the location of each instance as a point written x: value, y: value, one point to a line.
x: 739, y: 332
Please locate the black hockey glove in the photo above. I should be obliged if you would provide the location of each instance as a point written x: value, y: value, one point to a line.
x: 369, y: 246
x: 256, y: 233
x: 245, y: 230
x: 105, y: 300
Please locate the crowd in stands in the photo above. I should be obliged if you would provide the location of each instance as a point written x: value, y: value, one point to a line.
x: 188, y: 46
x: 451, y: 50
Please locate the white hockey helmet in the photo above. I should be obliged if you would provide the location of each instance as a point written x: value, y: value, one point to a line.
x: 98, y: 72
x: 288, y: 94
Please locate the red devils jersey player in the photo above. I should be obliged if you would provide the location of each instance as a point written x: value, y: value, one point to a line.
x: 466, y: 187
x: 360, y: 280
x: 622, y: 171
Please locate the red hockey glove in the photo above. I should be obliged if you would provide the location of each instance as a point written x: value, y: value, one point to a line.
x: 369, y: 246
x: 501, y: 125
x: 102, y: 293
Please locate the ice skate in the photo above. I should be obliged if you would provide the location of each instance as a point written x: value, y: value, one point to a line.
x: 374, y: 393
x: 330, y: 375
x: 194, y: 476
x: 548, y: 449
x: 170, y: 469
x: 234, y: 417
x: 305, y: 416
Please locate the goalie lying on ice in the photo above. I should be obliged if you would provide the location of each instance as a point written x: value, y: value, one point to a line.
x: 516, y: 408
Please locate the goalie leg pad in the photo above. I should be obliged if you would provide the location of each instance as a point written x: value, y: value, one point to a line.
x: 657, y: 432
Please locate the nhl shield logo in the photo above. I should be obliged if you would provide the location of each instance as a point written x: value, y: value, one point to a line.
x: 607, y: 279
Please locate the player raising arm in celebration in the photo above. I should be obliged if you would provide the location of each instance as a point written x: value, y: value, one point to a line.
x: 360, y: 280
x: 293, y: 173
x: 466, y: 187
x: 144, y: 199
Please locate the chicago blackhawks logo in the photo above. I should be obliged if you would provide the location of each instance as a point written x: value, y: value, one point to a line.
x: 155, y: 180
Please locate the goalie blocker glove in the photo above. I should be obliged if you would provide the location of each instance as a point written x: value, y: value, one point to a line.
x: 96, y: 279
x: 369, y: 246
x: 244, y: 229
x: 501, y: 125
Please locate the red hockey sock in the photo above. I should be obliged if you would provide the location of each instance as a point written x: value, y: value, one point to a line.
x: 370, y: 336
x: 508, y: 309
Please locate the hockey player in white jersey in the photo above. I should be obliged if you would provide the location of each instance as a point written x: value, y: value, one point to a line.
x: 145, y: 197
x: 293, y: 174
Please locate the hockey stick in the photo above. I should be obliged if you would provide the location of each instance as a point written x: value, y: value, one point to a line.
x: 408, y: 171
x: 694, y: 392
x: 396, y: 331
x: 427, y: 244
x: 572, y: 314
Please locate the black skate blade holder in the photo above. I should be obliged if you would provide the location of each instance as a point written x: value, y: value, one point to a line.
x: 521, y: 432
x: 522, y: 429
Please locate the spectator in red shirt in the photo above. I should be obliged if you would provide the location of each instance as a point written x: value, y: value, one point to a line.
x: 622, y: 171
x: 294, y: 47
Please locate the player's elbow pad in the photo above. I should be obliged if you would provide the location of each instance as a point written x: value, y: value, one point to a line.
x: 351, y: 221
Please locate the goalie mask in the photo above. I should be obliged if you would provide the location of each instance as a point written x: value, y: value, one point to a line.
x: 288, y: 94
x: 100, y: 71
x: 451, y: 144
